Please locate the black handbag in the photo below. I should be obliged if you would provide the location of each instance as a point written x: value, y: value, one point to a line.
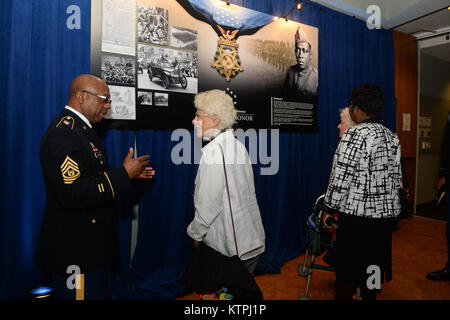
x: 210, y: 270
x: 405, y: 211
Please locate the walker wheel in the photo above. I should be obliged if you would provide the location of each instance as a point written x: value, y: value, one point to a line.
x: 303, y: 271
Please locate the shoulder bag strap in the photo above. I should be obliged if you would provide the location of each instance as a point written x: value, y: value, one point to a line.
x: 229, y: 200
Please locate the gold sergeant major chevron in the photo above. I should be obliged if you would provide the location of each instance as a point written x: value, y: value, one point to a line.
x: 70, y: 171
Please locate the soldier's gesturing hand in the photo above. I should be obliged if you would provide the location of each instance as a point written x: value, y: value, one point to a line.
x: 136, y: 167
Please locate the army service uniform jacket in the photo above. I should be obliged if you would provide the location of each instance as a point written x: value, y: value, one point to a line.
x: 300, y: 83
x: 79, y: 222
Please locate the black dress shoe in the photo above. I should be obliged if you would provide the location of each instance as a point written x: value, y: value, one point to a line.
x: 440, y: 275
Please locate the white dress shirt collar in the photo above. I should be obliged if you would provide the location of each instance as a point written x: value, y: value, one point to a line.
x: 80, y: 115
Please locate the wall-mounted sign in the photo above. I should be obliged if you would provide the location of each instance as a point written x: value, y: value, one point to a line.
x: 181, y: 47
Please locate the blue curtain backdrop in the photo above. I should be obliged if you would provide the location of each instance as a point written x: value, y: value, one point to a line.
x: 40, y: 57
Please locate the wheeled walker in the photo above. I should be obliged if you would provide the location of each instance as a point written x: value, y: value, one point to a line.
x: 319, y: 241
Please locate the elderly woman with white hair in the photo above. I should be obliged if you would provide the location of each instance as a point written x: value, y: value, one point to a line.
x: 346, y: 122
x: 217, y: 186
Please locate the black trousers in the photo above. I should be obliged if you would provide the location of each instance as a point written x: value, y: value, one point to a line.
x: 447, y: 233
x: 362, y: 243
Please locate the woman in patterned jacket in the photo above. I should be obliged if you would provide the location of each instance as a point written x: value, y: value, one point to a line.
x: 363, y: 188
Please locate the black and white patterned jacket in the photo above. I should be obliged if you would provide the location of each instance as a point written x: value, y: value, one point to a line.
x: 366, y: 173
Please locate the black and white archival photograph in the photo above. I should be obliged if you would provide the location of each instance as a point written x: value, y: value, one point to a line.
x: 302, y: 77
x: 153, y: 25
x: 183, y: 38
x: 119, y: 70
x: 161, y: 99
x: 119, y: 27
x: 123, y: 105
x: 145, y: 98
x: 167, y: 69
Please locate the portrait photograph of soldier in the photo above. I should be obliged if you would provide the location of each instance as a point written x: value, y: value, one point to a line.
x: 302, y: 79
x: 153, y: 25
x: 118, y: 70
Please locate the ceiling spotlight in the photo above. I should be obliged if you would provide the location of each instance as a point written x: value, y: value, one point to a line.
x: 299, y: 6
x: 275, y: 18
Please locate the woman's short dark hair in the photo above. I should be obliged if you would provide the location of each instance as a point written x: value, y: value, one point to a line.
x: 369, y: 98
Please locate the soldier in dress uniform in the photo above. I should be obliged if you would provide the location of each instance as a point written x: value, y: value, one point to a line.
x: 78, y: 233
x: 302, y: 79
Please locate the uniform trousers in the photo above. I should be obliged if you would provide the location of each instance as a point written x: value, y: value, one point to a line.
x: 94, y: 285
x: 447, y: 233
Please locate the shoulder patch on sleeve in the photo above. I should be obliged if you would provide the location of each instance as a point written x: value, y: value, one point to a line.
x: 67, y: 121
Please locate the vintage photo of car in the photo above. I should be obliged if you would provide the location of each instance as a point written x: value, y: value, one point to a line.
x: 167, y: 69
x: 169, y: 75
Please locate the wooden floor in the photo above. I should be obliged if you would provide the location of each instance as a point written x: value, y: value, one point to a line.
x: 419, y: 247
